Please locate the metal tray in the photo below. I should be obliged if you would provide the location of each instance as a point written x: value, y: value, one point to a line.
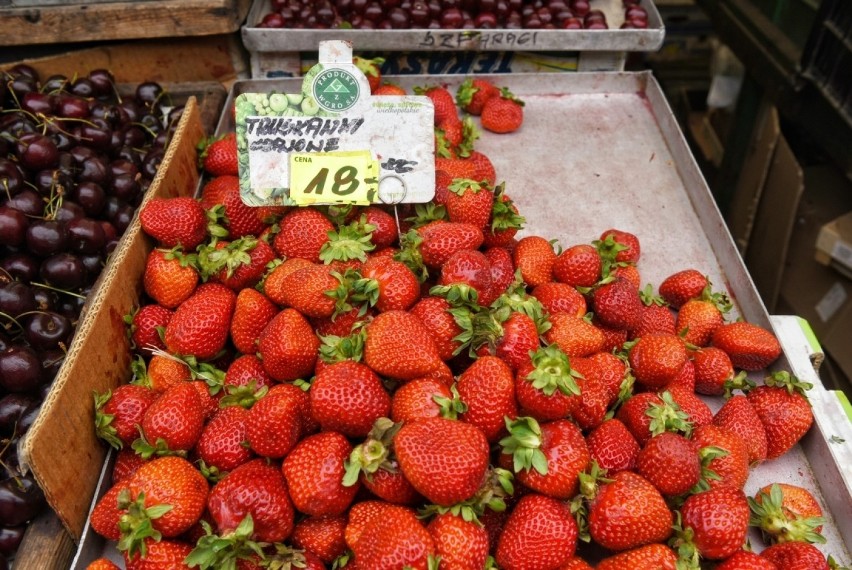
x: 603, y: 150
x: 293, y: 40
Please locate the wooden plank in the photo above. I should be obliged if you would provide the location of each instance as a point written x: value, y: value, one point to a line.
x: 120, y: 20
x: 46, y: 545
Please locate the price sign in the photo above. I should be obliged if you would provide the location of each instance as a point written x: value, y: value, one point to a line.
x: 334, y: 177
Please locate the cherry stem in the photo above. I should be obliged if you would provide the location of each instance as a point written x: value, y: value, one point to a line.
x: 46, y: 286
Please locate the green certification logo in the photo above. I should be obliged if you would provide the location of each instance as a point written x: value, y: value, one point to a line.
x: 335, y: 89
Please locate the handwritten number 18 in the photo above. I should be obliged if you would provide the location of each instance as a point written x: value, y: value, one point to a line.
x: 345, y: 181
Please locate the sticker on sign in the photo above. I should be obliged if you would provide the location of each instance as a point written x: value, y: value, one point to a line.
x: 373, y: 149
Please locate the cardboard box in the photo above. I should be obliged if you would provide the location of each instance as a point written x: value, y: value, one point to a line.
x: 834, y: 244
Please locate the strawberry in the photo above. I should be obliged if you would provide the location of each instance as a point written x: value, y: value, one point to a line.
x: 164, y: 371
x: 546, y: 387
x: 502, y: 269
x: 487, y: 388
x: 127, y: 462
x: 468, y: 268
x: 164, y: 482
x: 470, y: 202
x: 252, y: 312
x: 387, y: 284
x: 629, y: 251
x: 647, y: 414
x: 314, y: 472
x: 442, y: 240
x: 222, y: 442
x: 461, y: 544
x: 107, y: 513
x: 547, y: 458
x: 238, y: 264
x: 372, y: 69
x: 174, y: 221
x: 629, y: 273
x: 170, y: 277
x: 434, y: 313
x: 713, y: 369
x: 783, y: 410
x: 145, y: 325
x: 647, y: 520
x: 611, y: 370
x: 574, y: 336
x: 173, y: 423
x: 671, y: 463
x: 512, y: 339
x: 442, y: 100
x: 617, y: 304
x: 303, y: 233
x: 480, y: 168
x: 422, y: 398
x: 576, y: 563
x: 399, y: 346
x: 363, y: 514
x: 472, y: 94
x: 503, y: 113
x: 322, y: 536
x: 389, y: 89
x: 348, y: 397
x: 306, y: 290
x: 698, y: 413
x: 396, y: 539
x: 505, y: 220
x: 732, y: 467
x: 657, y: 359
x: 275, y: 421
x: 219, y: 157
x: 684, y: 378
x: 255, y: 489
x: 796, y: 554
x: 738, y: 415
x: 682, y: 286
x: 200, y: 325
x: 449, y: 134
x: 718, y: 521
x: 750, y: 346
x: 697, y: 320
x: 539, y: 534
x: 787, y: 512
x: 384, y: 231
x: 159, y: 555
x: 560, y: 298
x: 579, y: 265
x: 288, y: 346
x: 445, y: 460
x: 648, y: 557
x: 102, y: 564
x: 592, y: 405
x: 456, y: 167
x: 746, y: 560
x: 534, y: 258
x: 442, y: 187
x: 613, y: 447
x: 215, y: 190
x: 118, y: 412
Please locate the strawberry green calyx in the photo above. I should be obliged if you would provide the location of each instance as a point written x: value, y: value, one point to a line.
x: 516, y: 299
x: 469, y: 135
x: 443, y: 147
x: 348, y: 243
x: 373, y: 454
x: 683, y: 542
x: 524, y: 445
x: 215, y: 551
x: 160, y: 448
x: 244, y: 396
x: 778, y: 523
x: 343, y: 293
x: 834, y: 565
x: 285, y: 557
x: 216, y: 222
x: 505, y: 93
x: 212, y: 259
x: 553, y: 372
x: 211, y: 472
x: 427, y: 213
x: 608, y: 249
x: 409, y: 254
x: 135, y: 525
x: 461, y: 185
x: 625, y: 391
x: 103, y: 422
x: 504, y: 214
x: 496, y: 487
x: 369, y: 67
x: 204, y: 371
x: 740, y: 381
x: 649, y: 298
x: 668, y: 417
x: 465, y: 92
x: 270, y: 267
x: 339, y: 348
x: 720, y: 300
x: 783, y: 379
x: 450, y: 407
x: 457, y: 294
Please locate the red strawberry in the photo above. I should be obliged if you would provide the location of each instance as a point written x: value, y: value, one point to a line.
x: 348, y: 397
x: 214, y: 192
x: 657, y: 359
x: 222, y: 442
x: 435, y: 314
x: 560, y: 298
x: 647, y: 414
x: 738, y: 415
x: 732, y: 467
x: 546, y: 387
x: 697, y: 320
x: 655, y: 316
x: 102, y: 564
x: 201, y: 324
x: 420, y: 399
x: 314, y: 472
x: 787, y: 512
x: 384, y: 231
x: 472, y: 94
x: 487, y: 388
x: 502, y: 269
x: 159, y: 555
x: 613, y: 447
x: 176, y: 418
x: 388, y: 284
x: 750, y: 346
x: 698, y: 413
x: 442, y: 240
x: 389, y: 89
x: 469, y: 202
x: 399, y: 346
x: 783, y: 410
x: 275, y: 421
x: 614, y: 527
x: 576, y: 563
x: 480, y: 168
x: 617, y: 304
x: 305, y: 290
x: 713, y: 369
x: 512, y: 339
x: 629, y: 251
x: 574, y: 336
x: 796, y: 554
x: 252, y: 312
x: 548, y: 458
x: 244, y: 370
x: 372, y: 69
x: 144, y: 325
x: 718, y: 519
x: 682, y: 286
x: 469, y: 268
x: 219, y: 157
x: 127, y: 462
x: 107, y: 513
x: 238, y: 264
x: 170, y: 277
x: 396, y: 539
x: 579, y: 265
x: 505, y: 220
x: 534, y: 258
x: 118, y: 413
x: 175, y: 221
x: 649, y: 557
x: 445, y: 460
x: 303, y: 233
x: 442, y: 100
x: 461, y: 544
x: 361, y: 515
x: 254, y: 489
x: 746, y: 560
x: 671, y: 463
x: 503, y: 113
x: 456, y: 167
x: 322, y: 536
x: 288, y: 346
x: 540, y: 534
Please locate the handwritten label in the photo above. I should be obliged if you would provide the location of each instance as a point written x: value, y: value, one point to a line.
x: 466, y: 39
x: 329, y: 178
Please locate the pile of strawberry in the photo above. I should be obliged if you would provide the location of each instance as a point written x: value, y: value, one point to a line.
x: 319, y: 386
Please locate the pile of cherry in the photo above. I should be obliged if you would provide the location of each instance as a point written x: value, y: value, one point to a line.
x: 75, y: 161
x: 447, y: 14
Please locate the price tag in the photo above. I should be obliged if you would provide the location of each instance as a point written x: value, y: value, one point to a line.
x: 350, y: 177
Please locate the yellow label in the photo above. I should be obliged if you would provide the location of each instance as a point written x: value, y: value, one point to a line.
x: 347, y: 177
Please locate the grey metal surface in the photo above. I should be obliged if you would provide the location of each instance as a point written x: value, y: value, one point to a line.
x: 293, y: 40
